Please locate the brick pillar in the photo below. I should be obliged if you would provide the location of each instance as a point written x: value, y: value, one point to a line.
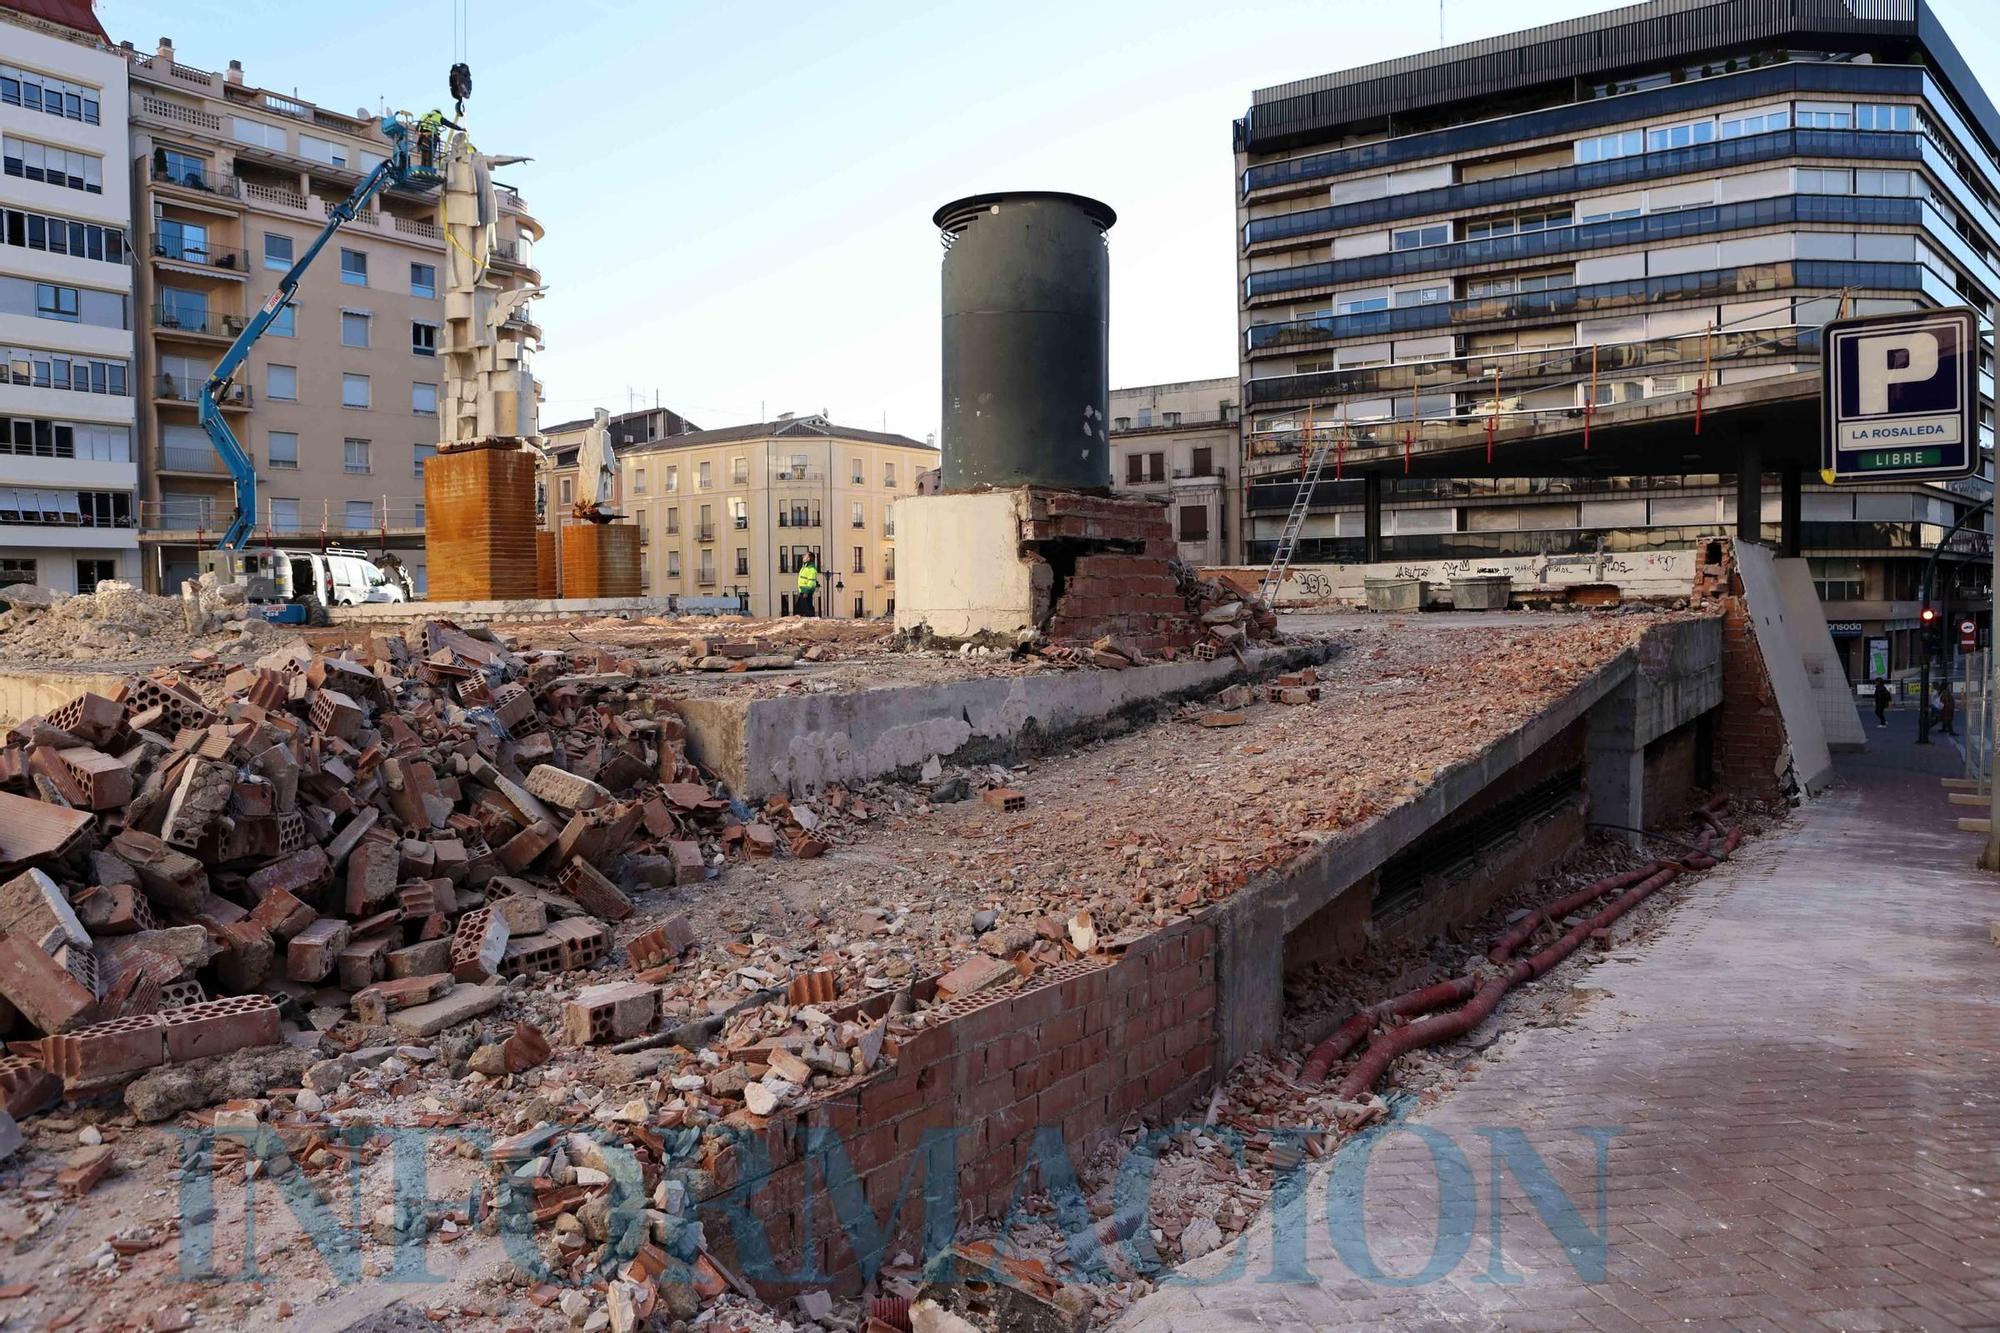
x: 1750, y: 742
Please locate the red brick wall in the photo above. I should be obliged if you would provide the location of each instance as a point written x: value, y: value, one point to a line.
x: 1086, y: 1048
x: 1750, y: 733
x: 1130, y: 595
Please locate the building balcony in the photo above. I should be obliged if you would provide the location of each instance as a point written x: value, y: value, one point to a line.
x: 206, y: 184
x: 149, y: 109
x: 185, y: 389
x: 200, y: 325
x: 704, y: 534
x: 233, y: 264
x: 816, y: 474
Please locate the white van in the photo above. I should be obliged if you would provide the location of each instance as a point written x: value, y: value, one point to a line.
x: 354, y: 579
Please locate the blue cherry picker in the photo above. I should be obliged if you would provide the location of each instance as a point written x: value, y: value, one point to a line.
x: 285, y: 585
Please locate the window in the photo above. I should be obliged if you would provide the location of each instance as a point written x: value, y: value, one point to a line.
x: 888, y: 564
x: 706, y: 528
x: 322, y: 150
x: 1170, y: 418
x: 860, y: 606
x: 858, y: 562
x: 354, y: 456
x: 277, y: 251
x: 1156, y: 467
x: 187, y: 241
x: 36, y: 161
x: 1825, y: 180
x: 281, y: 383
x: 672, y: 484
x: 705, y: 574
x: 282, y: 449
x: 1606, y: 146
x: 423, y: 338
x: 1347, y: 305
x: 284, y: 324
x: 673, y: 520
x: 420, y: 455
x: 702, y: 480
x: 1824, y: 120
x: 354, y: 268
x: 673, y: 563
x: 31, y: 367
x: 283, y: 515
x: 638, y: 481
x: 53, y: 302
x: 358, y: 516
x: 742, y: 561
x: 1204, y: 462
x: 857, y: 471
x: 1135, y: 469
x: 180, y: 168
x: 353, y: 328
x: 1888, y: 117
x: 49, y: 95
x: 1435, y: 233
x: 423, y: 280
x: 354, y: 391
x: 1882, y: 182
x: 860, y: 519
x: 1194, y: 523
x: 1121, y: 423
x: 1735, y: 127
x: 1837, y: 580
x: 419, y: 516
x: 90, y: 573
x: 889, y: 476
x: 1423, y: 295
x: 1608, y: 216
x: 1145, y: 418
x: 739, y: 471
x: 1680, y: 136
x: 60, y: 236
x: 785, y: 560
x: 566, y: 490
x: 739, y: 513
x: 256, y: 132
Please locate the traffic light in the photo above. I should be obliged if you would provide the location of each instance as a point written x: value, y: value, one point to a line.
x: 1928, y: 616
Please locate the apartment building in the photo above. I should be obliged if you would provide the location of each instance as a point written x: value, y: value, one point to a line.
x: 734, y: 512
x: 68, y: 472
x: 1182, y: 444
x: 1655, y: 203
x: 338, y: 402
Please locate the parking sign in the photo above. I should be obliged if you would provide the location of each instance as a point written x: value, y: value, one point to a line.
x: 1899, y: 396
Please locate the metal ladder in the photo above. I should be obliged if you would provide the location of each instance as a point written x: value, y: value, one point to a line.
x: 1288, y: 540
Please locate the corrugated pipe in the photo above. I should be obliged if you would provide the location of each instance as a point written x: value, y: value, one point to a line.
x: 1356, y: 1029
x: 891, y: 1310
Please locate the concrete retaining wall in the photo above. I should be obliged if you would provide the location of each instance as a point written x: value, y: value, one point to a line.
x: 759, y: 746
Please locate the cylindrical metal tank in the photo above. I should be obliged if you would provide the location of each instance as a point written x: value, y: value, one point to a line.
x: 1027, y: 297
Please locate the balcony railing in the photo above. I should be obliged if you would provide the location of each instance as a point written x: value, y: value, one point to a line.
x: 207, y: 180
x: 187, y: 389
x: 308, y: 525
x: 183, y: 458
x: 417, y: 227
x: 705, y: 533
x: 204, y: 256
x: 798, y: 473
x: 159, y: 108
x: 275, y: 195
x: 178, y: 319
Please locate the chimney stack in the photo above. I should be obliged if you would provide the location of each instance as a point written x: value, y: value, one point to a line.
x: 235, y: 74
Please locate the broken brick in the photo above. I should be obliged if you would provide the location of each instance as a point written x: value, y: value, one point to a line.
x: 45, y: 991
x: 478, y: 945
x: 312, y: 954
x: 615, y: 1011
x: 374, y: 1004
x: 596, y: 894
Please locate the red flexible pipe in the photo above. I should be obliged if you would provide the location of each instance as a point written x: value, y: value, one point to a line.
x: 1356, y: 1029
x: 1523, y: 930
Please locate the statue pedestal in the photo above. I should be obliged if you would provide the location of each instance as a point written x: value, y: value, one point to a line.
x: 479, y: 524
x: 600, y: 560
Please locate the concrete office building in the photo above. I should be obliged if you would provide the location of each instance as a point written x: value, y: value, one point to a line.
x: 1677, y: 194
x: 68, y: 475
x: 1183, y: 444
x: 733, y: 512
x: 338, y: 402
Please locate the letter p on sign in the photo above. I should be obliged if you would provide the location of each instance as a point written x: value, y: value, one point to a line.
x: 1893, y: 358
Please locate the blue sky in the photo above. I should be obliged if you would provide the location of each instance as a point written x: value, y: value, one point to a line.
x: 738, y: 198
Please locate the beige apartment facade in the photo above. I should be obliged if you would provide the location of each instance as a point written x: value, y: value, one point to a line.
x: 1182, y: 444
x: 337, y: 404
x: 733, y: 512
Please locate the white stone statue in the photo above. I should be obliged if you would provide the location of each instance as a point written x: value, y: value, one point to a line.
x: 596, y: 469
x: 489, y: 390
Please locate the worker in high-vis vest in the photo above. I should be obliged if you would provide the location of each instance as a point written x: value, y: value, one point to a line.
x: 808, y: 586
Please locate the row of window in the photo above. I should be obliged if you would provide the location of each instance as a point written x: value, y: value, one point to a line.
x: 1144, y: 467
x: 281, y: 384
x: 34, y: 437
x: 33, y: 368
x: 797, y: 514
x: 61, y: 236
x: 739, y: 475
x: 72, y: 305
x: 1625, y: 143
x: 33, y: 160
x: 282, y: 514
x: 73, y: 509
x: 790, y: 560
x: 46, y: 93
x: 182, y: 308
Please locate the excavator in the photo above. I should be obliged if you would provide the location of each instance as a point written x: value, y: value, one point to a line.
x: 415, y: 161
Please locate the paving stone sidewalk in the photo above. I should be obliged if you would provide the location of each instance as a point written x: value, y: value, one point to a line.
x: 1799, y: 1081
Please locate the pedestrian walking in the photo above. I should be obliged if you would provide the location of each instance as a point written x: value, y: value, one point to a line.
x: 1882, y: 701
x: 1946, y: 706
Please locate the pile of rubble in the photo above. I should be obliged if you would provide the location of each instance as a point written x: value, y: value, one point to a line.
x: 1208, y: 618
x: 375, y: 839
x: 118, y: 622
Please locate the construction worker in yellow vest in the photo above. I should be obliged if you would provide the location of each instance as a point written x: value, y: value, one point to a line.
x: 808, y: 586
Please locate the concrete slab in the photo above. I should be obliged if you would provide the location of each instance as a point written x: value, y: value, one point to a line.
x: 759, y: 746
x: 1805, y: 618
x: 24, y: 694
x: 1779, y: 640
x: 463, y: 1004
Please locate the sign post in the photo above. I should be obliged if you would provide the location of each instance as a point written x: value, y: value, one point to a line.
x: 1899, y: 399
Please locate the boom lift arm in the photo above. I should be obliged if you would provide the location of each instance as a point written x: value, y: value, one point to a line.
x: 415, y: 161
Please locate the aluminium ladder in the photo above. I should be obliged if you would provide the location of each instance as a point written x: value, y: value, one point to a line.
x: 1288, y: 540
